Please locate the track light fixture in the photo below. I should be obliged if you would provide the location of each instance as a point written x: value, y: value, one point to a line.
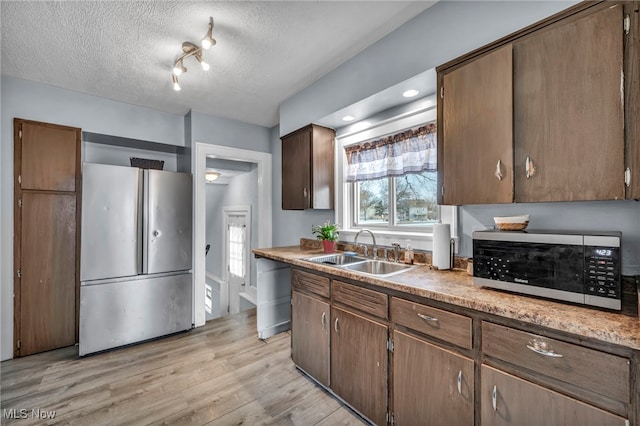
x: 192, y: 49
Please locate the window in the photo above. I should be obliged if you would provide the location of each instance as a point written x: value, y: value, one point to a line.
x: 397, y: 207
x: 393, y: 179
x: 411, y: 200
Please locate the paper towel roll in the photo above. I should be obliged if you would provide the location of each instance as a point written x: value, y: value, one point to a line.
x: 441, y: 251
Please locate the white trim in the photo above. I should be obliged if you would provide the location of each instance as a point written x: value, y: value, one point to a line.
x: 421, y: 240
x: 199, y: 165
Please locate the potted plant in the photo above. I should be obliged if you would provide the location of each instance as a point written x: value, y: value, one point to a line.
x: 328, y: 234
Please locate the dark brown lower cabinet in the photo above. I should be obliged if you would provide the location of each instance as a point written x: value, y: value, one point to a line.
x: 509, y: 400
x: 431, y: 385
x: 310, y: 322
x: 359, y: 361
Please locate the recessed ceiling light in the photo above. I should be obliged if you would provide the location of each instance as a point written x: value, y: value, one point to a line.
x: 410, y: 93
x: 348, y: 118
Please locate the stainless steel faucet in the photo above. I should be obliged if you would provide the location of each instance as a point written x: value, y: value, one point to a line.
x: 373, y: 237
x: 396, y: 251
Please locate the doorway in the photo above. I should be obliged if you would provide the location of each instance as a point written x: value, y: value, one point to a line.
x: 262, y: 221
x: 237, y: 241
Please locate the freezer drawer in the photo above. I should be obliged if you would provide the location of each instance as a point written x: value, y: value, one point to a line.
x: 116, y: 313
x: 167, y: 228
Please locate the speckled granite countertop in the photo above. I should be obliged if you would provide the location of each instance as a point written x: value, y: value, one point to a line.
x: 456, y: 288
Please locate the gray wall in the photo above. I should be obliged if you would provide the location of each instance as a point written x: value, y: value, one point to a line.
x: 222, y: 131
x: 120, y: 155
x: 215, y: 194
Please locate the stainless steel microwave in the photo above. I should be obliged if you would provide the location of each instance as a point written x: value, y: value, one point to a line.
x: 576, y: 267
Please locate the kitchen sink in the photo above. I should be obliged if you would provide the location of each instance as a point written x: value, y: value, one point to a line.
x: 378, y: 267
x: 338, y: 259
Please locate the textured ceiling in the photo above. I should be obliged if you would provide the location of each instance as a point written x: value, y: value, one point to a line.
x: 124, y: 50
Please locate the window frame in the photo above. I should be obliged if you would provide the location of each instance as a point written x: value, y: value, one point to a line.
x: 391, y: 224
x: 346, y: 212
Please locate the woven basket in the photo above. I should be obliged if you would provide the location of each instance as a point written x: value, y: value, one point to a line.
x: 512, y: 226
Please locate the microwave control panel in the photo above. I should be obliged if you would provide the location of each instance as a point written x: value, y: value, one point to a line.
x: 602, y: 271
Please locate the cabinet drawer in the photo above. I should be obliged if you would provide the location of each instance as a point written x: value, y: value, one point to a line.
x: 313, y: 283
x: 363, y: 299
x: 592, y: 370
x: 447, y: 326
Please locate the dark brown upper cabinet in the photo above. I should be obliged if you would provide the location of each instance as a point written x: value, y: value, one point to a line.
x: 478, y: 128
x: 545, y: 114
x: 568, y: 111
x: 308, y: 168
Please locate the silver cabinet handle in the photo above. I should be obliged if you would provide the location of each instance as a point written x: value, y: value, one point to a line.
x: 498, y: 172
x: 335, y: 325
x: 324, y: 316
x: 427, y: 318
x: 529, y: 168
x: 627, y: 177
x: 304, y: 192
x: 494, y: 398
x: 541, y: 347
x: 460, y: 382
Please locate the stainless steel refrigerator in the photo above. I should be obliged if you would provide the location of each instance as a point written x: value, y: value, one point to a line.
x: 135, y: 262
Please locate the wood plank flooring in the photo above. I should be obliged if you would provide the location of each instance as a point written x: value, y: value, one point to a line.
x: 219, y: 374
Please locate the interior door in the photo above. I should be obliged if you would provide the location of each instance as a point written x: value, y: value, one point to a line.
x: 237, y: 241
x: 46, y: 284
x: 168, y: 218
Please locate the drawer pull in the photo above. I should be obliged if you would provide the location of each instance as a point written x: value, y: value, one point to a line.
x: 335, y: 325
x: 494, y: 398
x: 324, y: 317
x: 427, y: 318
x: 460, y: 382
x: 541, y: 347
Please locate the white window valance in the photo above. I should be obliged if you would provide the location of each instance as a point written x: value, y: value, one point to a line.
x: 409, y: 151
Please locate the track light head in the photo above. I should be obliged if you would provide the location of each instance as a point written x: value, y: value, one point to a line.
x: 176, y: 85
x: 203, y: 64
x: 179, y: 68
x: 208, y: 40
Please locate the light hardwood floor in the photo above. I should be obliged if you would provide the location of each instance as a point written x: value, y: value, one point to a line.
x: 219, y: 374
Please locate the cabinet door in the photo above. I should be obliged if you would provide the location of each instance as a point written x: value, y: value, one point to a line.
x: 310, y: 324
x: 359, y: 360
x: 430, y: 385
x: 477, y: 136
x: 632, y: 98
x: 568, y: 111
x: 322, y: 176
x: 508, y: 400
x: 50, y: 157
x: 296, y: 169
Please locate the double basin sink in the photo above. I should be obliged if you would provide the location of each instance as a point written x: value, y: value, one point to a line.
x: 379, y: 268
